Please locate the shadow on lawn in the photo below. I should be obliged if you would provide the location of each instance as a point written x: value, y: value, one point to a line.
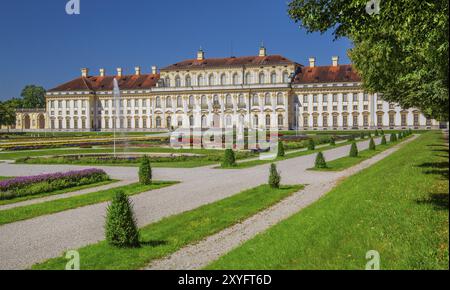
x: 154, y: 243
x: 440, y: 201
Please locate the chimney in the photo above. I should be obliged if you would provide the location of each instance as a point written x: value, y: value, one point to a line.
x: 262, y: 50
x: 154, y: 69
x: 312, y: 62
x: 119, y: 71
x: 200, y: 54
x: 84, y: 72
x: 335, y: 60
x: 102, y: 72
x: 137, y: 70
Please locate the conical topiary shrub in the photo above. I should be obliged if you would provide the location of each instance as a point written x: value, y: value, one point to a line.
x: 376, y: 133
x: 145, y: 171
x: 281, y: 152
x: 311, y: 145
x: 372, y: 144
x: 383, y: 140
x: 229, y: 159
x: 274, y: 177
x: 393, y: 138
x: 351, y: 138
x: 353, y: 150
x: 120, y: 228
x: 382, y: 132
x: 400, y: 136
x: 362, y: 135
x: 320, y: 161
x: 332, y: 141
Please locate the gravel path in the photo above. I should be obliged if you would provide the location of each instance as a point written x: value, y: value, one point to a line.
x: 25, y: 243
x: 203, y: 253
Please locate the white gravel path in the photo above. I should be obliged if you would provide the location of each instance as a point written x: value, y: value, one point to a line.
x: 201, y: 254
x: 25, y: 243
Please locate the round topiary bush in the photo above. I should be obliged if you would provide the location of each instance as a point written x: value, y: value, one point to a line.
x: 372, y: 144
x: 320, y: 161
x: 353, y: 150
x: 229, y: 159
x: 281, y: 152
x: 311, y: 145
x: 383, y: 140
x: 145, y: 171
x: 274, y: 177
x: 120, y: 228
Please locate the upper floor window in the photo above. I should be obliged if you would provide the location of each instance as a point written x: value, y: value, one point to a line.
x: 204, y: 101
x: 366, y: 97
x: 228, y: 100
x: 315, y: 99
x: 255, y: 100
x: 188, y: 81
x: 335, y: 98
x: 236, y: 79
x: 248, y: 78
x: 267, y: 99
x: 167, y: 82
x: 262, y: 78
x: 158, y: 102
x: 223, y: 79
x: 305, y: 99
x: 273, y: 78
x: 191, y: 101
x: 200, y: 80
x: 169, y: 102
x: 216, y: 100
x: 241, y: 99
x: 179, y: 101
x: 177, y: 82
x: 285, y: 77
x: 212, y: 80
x: 324, y: 98
x: 344, y: 98
x: 355, y: 98
x: 280, y: 99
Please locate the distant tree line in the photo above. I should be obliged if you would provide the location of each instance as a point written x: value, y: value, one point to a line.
x: 32, y: 97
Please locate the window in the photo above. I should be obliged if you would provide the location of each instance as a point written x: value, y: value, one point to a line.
x: 52, y: 124
x: 168, y: 102
x: 285, y: 77
x: 273, y: 78
x: 335, y: 121
x: 75, y: 123
x: 391, y: 120
x: 344, y: 98
x: 262, y: 78
x: 158, y: 102
x: 180, y: 121
x: 236, y: 79
x: 305, y: 108
x: 355, y: 108
x: 241, y: 100
x: 144, y: 103
x: 305, y: 121
x: 267, y: 120
x: 391, y: 106
x: 168, y: 122
x: 280, y: 120
x: 335, y: 98
x: 366, y: 107
x: 158, y: 122
x: 267, y: 101
x: 216, y: 100
x: 129, y: 123
x: 280, y: 99
x: 315, y: 108
x: 212, y: 80
x: 324, y: 98
x: 188, y: 81
x: 355, y: 98
x: 52, y: 104
x: 229, y: 121
x: 344, y: 121
x: 179, y: 102
x: 200, y: 80
x: 191, y: 101
x: 177, y: 82
x: 67, y: 123
x: 255, y: 121
x: 305, y: 99
x: 344, y: 108
x: 335, y: 108
x: 136, y: 123
x: 404, y: 118
x: 228, y: 101
x: 248, y: 78
x: 315, y: 121
x: 416, y: 120
x: 223, y: 79
x: 204, y: 121
x: 204, y: 101
x: 366, y: 97
x: 380, y: 120
x: 355, y: 121
x: 315, y: 99
x: 324, y: 108
x: 366, y: 121
x: 144, y: 123
x: 255, y: 100
x: 379, y: 106
x: 191, y: 121
x: 167, y: 82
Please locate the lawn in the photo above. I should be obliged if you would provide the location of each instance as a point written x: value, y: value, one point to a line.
x: 3, y: 177
x: 54, y: 206
x: 347, y: 162
x: 398, y: 207
x: 170, y: 234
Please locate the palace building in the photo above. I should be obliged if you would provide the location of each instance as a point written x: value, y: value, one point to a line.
x: 262, y: 91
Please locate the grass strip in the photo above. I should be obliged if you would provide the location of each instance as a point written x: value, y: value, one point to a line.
x: 170, y: 234
x: 398, y: 207
x: 54, y: 206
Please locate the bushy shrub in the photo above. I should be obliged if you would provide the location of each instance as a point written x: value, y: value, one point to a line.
x: 274, y: 177
x: 281, y: 152
x: 351, y: 138
x: 393, y: 138
x: 353, y: 150
x: 311, y: 144
x: 145, y: 171
x: 332, y: 142
x: 372, y: 144
x: 400, y: 136
x: 120, y: 228
x: 362, y: 135
x: 382, y: 132
x: 377, y: 133
x: 383, y: 140
x: 229, y: 159
x: 320, y: 161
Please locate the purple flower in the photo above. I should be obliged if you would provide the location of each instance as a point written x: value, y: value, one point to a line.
x: 22, y: 181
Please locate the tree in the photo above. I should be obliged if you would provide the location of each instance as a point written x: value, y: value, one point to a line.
x: 121, y: 229
x: 274, y: 177
x: 281, y: 152
x: 311, y: 144
x: 8, y: 111
x: 372, y: 144
x: 353, y: 150
x: 145, y: 171
x: 229, y: 159
x: 320, y: 161
x: 401, y: 52
x: 33, y: 97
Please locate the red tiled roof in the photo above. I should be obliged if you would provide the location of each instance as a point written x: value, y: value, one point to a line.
x: 230, y: 62
x: 327, y: 74
x: 98, y: 83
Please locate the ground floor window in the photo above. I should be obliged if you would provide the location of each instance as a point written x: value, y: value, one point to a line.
x: 267, y: 120
x: 355, y: 121
x: 380, y: 120
x: 335, y: 121
x: 404, y: 123
x: 305, y: 121
x: 280, y: 120
x: 158, y: 122
x: 325, y: 121
x: 366, y: 121
x: 416, y: 120
x: 144, y: 122
x: 315, y: 121
x: 344, y: 121
x: 391, y: 120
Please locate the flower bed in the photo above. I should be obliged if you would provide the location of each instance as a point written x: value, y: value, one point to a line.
x: 44, y: 183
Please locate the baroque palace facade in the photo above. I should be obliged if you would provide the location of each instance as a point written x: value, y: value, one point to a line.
x: 257, y: 91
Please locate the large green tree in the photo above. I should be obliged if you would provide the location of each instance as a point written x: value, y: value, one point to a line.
x: 400, y: 51
x: 8, y: 111
x: 33, y: 97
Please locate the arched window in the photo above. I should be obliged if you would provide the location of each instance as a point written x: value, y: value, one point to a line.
x: 280, y: 120
x: 229, y: 121
x: 248, y: 78
x: 180, y: 121
x: 167, y: 82
x: 241, y: 99
x: 158, y: 102
x: 188, y: 81
x: 273, y: 78
x: 223, y: 79
x: 216, y: 100
x: 168, y: 102
x: 200, y: 80
x: 255, y: 101
x: 177, y: 82
x: 212, y: 80
x: 228, y: 100
x: 255, y: 120
x: 236, y: 79
x: 191, y: 121
x: 204, y: 121
x: 204, y: 101
x: 158, y: 122
x: 280, y: 99
x: 179, y: 102
x: 285, y: 77
x: 262, y: 78
x: 267, y: 120
x: 267, y: 101
x: 168, y: 121
x: 191, y: 101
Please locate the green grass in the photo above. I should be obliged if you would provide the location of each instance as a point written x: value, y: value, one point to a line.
x: 3, y: 177
x: 56, y: 192
x: 170, y: 234
x: 347, y: 162
x: 54, y: 206
x: 398, y: 207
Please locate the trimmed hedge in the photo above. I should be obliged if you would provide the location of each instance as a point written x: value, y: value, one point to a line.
x: 145, y: 171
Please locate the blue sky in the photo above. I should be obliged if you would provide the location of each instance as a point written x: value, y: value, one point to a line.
x: 42, y: 45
